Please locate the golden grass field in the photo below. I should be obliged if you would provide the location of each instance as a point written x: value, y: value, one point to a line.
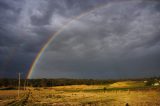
x: 116, y: 94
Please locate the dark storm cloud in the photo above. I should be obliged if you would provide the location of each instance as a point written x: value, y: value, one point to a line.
x: 25, y: 25
x: 97, y: 41
x: 120, y: 40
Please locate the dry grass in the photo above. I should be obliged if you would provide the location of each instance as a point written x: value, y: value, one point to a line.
x: 85, y: 95
x: 7, y: 96
x: 127, y: 84
x: 109, y: 98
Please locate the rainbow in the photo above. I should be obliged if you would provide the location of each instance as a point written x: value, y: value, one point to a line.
x: 44, y: 47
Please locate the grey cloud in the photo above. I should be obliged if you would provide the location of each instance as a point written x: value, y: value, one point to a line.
x: 116, y: 41
x: 106, y: 40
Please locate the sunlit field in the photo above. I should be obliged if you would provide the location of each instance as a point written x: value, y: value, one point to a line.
x: 127, y: 93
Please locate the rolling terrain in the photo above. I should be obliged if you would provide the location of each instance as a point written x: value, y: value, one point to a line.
x: 122, y: 93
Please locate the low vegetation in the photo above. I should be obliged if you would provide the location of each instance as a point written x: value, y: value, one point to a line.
x: 112, y: 93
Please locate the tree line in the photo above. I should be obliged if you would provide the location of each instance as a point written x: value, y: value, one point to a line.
x: 62, y: 82
x: 51, y: 82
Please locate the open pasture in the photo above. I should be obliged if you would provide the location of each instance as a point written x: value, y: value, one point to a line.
x: 116, y: 94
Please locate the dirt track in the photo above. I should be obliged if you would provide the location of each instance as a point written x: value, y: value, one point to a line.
x: 25, y: 100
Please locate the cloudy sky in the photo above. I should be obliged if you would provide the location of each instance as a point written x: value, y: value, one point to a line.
x: 115, y: 39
